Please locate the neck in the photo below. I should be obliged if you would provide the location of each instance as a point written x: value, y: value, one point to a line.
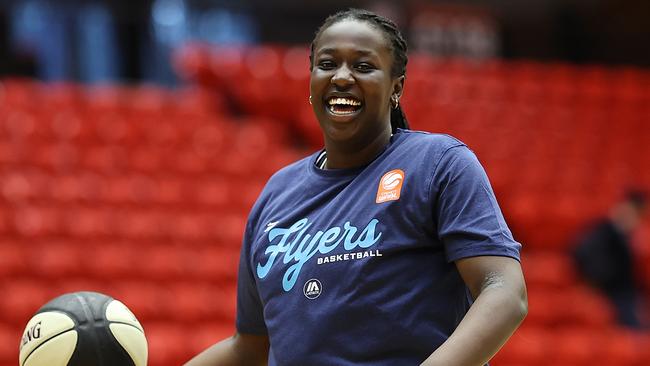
x: 346, y: 154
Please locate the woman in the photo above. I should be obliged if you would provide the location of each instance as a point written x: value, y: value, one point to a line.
x: 385, y: 248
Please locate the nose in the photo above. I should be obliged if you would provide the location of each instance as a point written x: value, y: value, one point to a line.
x: 343, y: 77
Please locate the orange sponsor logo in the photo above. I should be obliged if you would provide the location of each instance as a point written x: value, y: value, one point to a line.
x: 390, y: 186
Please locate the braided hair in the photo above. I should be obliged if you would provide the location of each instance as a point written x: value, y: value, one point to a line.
x: 397, y: 43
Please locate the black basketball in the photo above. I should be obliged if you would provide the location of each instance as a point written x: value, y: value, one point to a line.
x: 83, y: 329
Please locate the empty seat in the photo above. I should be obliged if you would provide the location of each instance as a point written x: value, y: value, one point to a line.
x: 13, y: 258
x: 575, y: 346
x: 206, y: 333
x: 23, y: 298
x: 167, y: 343
x: 10, y: 337
x: 52, y: 260
x: 548, y: 269
x: 528, y: 346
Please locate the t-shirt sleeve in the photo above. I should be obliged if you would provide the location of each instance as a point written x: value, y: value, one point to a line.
x: 250, y: 313
x: 469, y: 220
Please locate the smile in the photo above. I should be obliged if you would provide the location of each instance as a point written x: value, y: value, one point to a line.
x: 343, y: 106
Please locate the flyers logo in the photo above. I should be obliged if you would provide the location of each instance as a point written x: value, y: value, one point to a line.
x: 390, y: 186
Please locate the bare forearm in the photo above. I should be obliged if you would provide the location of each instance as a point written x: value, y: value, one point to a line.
x: 493, y: 317
x: 233, y: 352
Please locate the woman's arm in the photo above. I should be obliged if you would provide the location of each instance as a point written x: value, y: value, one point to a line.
x: 238, y: 350
x: 497, y: 285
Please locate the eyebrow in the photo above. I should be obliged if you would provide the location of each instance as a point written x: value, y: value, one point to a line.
x: 334, y: 50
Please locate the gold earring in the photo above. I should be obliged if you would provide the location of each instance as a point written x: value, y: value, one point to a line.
x: 310, y: 99
x: 395, y: 102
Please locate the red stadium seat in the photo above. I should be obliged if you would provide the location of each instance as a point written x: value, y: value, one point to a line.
x: 575, y: 346
x: 163, y: 263
x: 113, y: 261
x: 147, y: 299
x: 549, y: 270
x: 205, y: 334
x: 199, y: 302
x: 217, y: 263
x: 143, y: 225
x: 54, y: 260
x: 528, y: 346
x: 623, y: 348
x: 19, y: 92
x: 10, y: 338
x: 88, y: 223
x: 586, y: 308
x: 167, y: 343
x: 36, y: 221
x: 24, y: 297
x: 20, y: 186
x: 13, y: 259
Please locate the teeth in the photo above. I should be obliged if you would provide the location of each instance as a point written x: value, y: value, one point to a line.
x: 344, y: 101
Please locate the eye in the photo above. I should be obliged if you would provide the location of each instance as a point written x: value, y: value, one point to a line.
x: 326, y: 65
x: 364, y: 67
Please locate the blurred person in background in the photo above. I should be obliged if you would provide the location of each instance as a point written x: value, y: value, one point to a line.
x: 605, y: 258
x: 387, y: 247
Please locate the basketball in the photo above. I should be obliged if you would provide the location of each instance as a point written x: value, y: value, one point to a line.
x: 83, y: 329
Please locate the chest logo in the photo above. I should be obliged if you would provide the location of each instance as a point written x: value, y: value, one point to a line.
x: 296, y: 245
x: 312, y: 289
x: 390, y: 186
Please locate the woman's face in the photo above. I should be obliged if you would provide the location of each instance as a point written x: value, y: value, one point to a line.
x: 351, y: 83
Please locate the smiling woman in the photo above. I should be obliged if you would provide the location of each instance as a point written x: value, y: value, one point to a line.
x: 358, y: 67
x: 387, y: 247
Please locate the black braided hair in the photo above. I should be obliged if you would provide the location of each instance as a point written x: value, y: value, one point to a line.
x: 398, y: 48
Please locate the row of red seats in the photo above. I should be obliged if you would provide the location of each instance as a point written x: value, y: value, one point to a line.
x: 212, y: 191
x: 576, y: 306
x: 201, y: 161
x: 32, y: 222
x: 87, y: 129
x: 218, y: 66
x: 60, y: 259
x: 134, y: 101
x: 574, y: 346
x: 549, y: 270
x: 176, y: 301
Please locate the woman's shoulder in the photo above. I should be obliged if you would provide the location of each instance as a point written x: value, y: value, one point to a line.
x: 290, y: 171
x: 432, y: 144
x: 440, y: 140
x: 288, y: 176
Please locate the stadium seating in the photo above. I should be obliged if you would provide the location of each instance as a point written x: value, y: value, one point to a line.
x: 142, y: 192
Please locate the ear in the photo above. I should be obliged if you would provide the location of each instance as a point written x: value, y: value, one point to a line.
x: 398, y: 86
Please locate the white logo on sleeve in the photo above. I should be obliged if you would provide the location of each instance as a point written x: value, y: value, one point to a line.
x: 270, y: 226
x: 312, y: 289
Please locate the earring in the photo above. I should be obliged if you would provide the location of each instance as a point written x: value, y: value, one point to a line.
x: 395, y: 101
x: 310, y: 99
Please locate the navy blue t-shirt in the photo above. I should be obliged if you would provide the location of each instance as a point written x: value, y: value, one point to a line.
x: 356, y: 266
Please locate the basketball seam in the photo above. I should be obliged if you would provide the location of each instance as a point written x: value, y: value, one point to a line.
x: 125, y: 323
x: 45, y: 341
x: 85, y: 306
